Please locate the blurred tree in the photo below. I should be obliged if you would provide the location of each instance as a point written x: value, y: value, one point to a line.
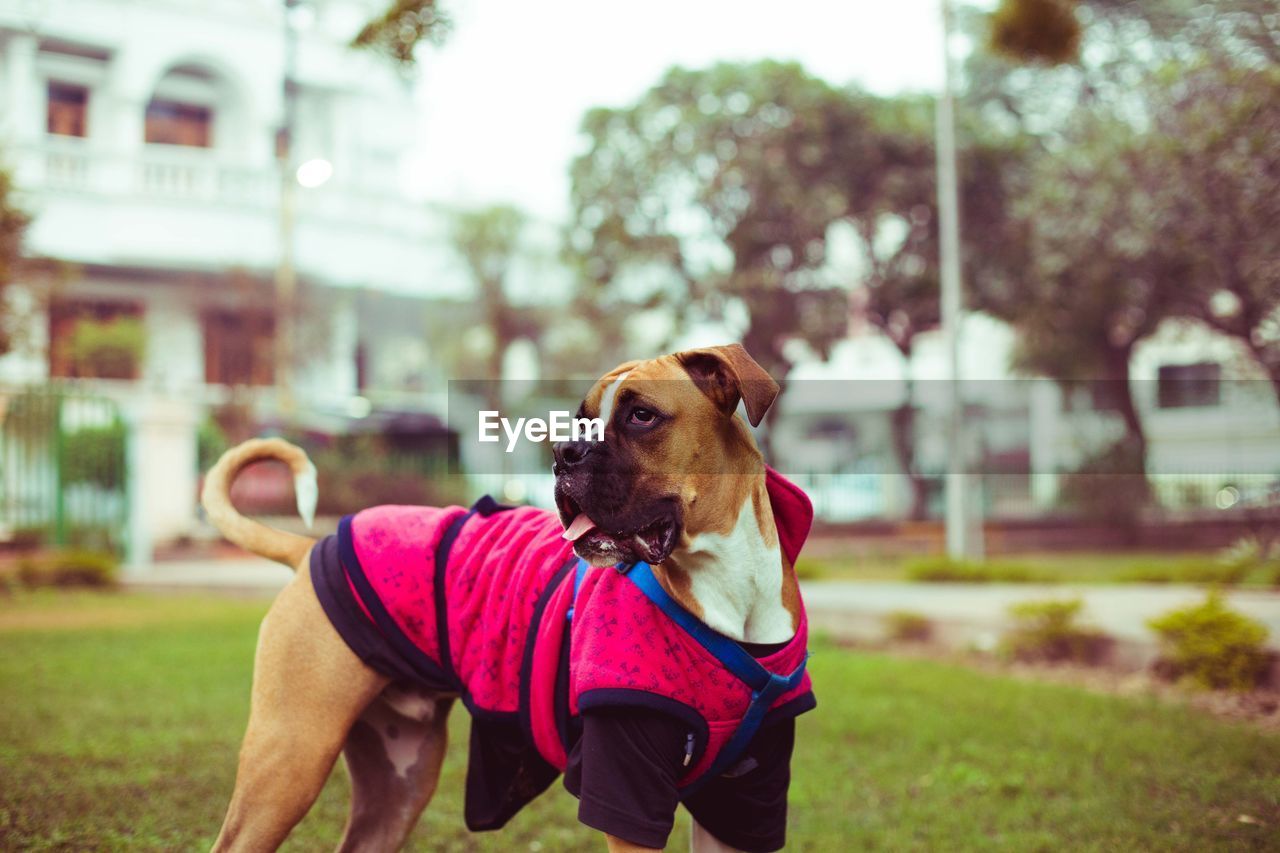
x: 488, y: 241
x: 892, y: 205
x: 1129, y: 185
x: 1214, y: 158
x: 405, y: 24
x: 13, y: 225
x: 711, y: 198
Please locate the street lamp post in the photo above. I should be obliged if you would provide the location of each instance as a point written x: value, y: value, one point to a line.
x: 964, y: 536
x: 286, y: 279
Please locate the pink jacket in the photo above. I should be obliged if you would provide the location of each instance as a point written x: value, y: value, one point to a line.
x: 480, y: 602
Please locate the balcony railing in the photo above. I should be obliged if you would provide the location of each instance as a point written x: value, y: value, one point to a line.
x: 76, y: 166
x: 67, y: 165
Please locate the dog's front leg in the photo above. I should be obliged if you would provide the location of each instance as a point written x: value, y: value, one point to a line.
x: 700, y: 841
x: 617, y: 845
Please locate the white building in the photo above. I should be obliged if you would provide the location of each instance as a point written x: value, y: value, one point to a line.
x: 143, y: 138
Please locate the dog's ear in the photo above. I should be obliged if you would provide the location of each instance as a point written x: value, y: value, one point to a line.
x: 728, y: 374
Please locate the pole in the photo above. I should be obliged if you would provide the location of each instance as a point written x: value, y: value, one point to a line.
x: 286, y: 279
x: 964, y: 539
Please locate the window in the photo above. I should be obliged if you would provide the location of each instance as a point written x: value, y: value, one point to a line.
x: 1186, y: 385
x: 239, y: 347
x: 103, y: 340
x: 67, y: 113
x: 178, y: 123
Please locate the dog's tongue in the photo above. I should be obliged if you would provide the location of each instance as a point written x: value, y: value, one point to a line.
x: 579, y: 527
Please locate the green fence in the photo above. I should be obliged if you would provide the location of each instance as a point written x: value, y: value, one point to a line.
x: 63, y: 477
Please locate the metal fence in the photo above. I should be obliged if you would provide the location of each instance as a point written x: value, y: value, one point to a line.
x: 63, y: 475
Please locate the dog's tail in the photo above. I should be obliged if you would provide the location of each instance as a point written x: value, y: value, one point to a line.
x: 278, y: 545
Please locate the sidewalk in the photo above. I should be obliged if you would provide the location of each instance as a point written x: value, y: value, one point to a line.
x: 243, y: 575
x: 1121, y: 610
x: 963, y: 614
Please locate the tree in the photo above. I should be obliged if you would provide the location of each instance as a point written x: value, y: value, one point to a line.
x: 489, y: 242
x: 1214, y: 148
x: 711, y: 197
x: 1102, y: 265
x: 892, y: 206
x: 1103, y: 275
x: 13, y: 225
x: 405, y: 24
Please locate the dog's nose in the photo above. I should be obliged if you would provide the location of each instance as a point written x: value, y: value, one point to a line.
x: 571, y: 453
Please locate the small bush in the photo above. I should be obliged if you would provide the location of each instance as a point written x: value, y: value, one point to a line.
x: 807, y: 569
x: 96, y: 456
x: 70, y: 568
x: 943, y: 569
x: 211, y: 443
x: 1211, y: 645
x: 1048, y: 631
x: 908, y: 626
x: 113, y: 349
x: 1205, y: 570
x: 1250, y: 553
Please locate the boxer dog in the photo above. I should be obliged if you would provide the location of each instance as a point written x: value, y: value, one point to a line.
x: 676, y: 482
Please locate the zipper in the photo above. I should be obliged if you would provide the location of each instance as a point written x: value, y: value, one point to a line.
x: 688, y: 749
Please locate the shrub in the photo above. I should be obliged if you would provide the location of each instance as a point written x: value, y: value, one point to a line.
x: 1048, y: 631
x: 808, y: 569
x: 96, y: 456
x: 1211, y: 645
x: 107, y: 350
x: 69, y: 568
x: 1206, y: 570
x: 211, y: 443
x: 908, y: 626
x: 1250, y: 553
x: 941, y: 569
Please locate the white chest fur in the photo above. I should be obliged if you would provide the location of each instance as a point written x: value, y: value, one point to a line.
x: 736, y: 578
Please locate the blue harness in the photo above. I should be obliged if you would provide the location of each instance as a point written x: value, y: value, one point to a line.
x: 766, y: 687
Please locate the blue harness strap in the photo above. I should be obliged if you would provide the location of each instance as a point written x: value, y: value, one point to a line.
x: 579, y: 573
x: 766, y: 687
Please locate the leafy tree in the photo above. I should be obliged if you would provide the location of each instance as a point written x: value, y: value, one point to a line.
x: 488, y: 241
x: 1131, y: 185
x: 711, y: 197
x: 405, y: 24
x: 1102, y: 274
x: 892, y: 205
x: 1213, y: 152
x: 13, y: 225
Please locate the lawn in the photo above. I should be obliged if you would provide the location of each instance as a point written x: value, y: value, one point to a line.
x: 1056, y: 567
x: 121, y: 718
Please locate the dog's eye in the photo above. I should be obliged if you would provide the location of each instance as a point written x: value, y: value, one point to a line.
x: 642, y: 417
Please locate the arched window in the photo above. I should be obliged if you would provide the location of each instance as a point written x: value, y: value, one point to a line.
x: 186, y: 108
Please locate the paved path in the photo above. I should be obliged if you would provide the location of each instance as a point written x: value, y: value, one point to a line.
x: 1119, y: 610
x: 248, y: 574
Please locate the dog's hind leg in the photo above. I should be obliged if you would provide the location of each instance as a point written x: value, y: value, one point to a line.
x: 394, y: 754
x: 308, y: 689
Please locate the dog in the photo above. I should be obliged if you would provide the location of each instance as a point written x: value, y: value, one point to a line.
x: 654, y: 621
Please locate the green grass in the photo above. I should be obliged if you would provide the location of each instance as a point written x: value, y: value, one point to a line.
x: 1112, y: 567
x: 121, y: 733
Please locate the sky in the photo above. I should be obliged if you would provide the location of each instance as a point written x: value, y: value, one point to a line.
x: 501, y: 102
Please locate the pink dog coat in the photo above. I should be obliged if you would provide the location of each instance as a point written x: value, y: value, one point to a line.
x: 492, y: 604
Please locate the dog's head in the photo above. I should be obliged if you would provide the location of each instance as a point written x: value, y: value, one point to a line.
x: 675, y: 459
